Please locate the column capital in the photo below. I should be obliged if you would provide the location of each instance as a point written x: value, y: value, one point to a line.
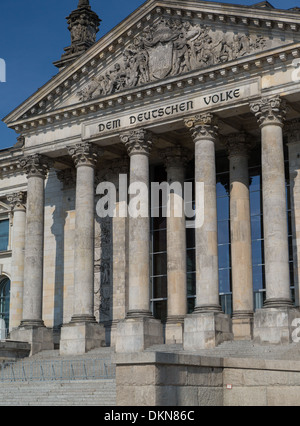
x: 203, y: 126
x: 84, y: 154
x: 175, y: 156
x: 138, y: 141
x: 238, y: 144
x: 36, y: 165
x: 269, y: 110
x: 17, y: 200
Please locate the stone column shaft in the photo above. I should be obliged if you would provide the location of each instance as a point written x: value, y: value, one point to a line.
x: 208, y: 326
x: 293, y: 132
x: 83, y: 333
x: 176, y: 250
x: 270, y: 114
x: 36, y: 167
x: 204, y: 133
x: 175, y: 160
x: 85, y: 158
x: 273, y: 324
x: 139, y: 330
x: 241, y: 247
x: 17, y: 201
x: 139, y: 145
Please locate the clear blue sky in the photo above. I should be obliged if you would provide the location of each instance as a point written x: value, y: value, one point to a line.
x: 33, y: 34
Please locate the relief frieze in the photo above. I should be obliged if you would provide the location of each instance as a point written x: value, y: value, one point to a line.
x: 170, y: 48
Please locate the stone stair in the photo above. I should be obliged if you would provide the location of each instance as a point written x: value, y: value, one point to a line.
x: 66, y: 393
x: 47, y: 391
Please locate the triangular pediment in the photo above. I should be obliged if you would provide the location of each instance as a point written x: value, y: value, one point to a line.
x: 159, y: 43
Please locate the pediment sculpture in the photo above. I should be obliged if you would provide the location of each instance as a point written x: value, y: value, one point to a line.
x: 169, y: 48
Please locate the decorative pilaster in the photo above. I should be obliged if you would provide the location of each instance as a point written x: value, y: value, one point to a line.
x: 175, y: 160
x: 32, y: 327
x: 274, y: 326
x: 207, y: 326
x: 17, y: 202
x: 139, y: 330
x: 83, y: 333
x: 238, y: 147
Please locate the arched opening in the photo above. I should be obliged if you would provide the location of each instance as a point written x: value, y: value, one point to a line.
x: 5, y: 300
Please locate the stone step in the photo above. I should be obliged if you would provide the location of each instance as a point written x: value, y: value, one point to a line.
x: 88, y: 393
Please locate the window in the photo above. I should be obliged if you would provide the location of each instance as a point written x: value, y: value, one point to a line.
x: 159, y: 243
x: 4, y: 234
x: 5, y: 300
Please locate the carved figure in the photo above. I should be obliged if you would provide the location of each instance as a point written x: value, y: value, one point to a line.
x: 170, y: 48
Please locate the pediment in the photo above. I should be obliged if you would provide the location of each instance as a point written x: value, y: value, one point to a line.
x: 161, y: 42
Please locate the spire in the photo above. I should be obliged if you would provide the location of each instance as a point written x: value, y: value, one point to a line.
x: 83, y: 3
x: 83, y: 26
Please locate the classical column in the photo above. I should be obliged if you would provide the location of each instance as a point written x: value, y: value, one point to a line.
x: 139, y: 144
x: 139, y: 330
x: 293, y: 134
x: 85, y: 157
x: 36, y: 167
x: 88, y: 334
x: 17, y: 202
x: 32, y: 327
x: 238, y: 146
x: 270, y: 113
x: 175, y: 159
x: 208, y: 326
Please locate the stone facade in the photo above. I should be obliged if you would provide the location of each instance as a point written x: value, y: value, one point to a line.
x: 177, y: 83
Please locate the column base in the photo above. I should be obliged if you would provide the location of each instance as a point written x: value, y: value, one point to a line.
x: 274, y: 325
x: 174, y: 330
x: 80, y: 338
x: 206, y: 330
x: 242, y: 325
x: 137, y: 334
x: 39, y: 337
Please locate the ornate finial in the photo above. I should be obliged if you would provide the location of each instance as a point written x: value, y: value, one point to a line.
x: 83, y: 26
x: 83, y: 3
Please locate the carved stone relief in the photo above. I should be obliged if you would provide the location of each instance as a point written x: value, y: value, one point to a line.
x: 103, y: 278
x: 170, y: 48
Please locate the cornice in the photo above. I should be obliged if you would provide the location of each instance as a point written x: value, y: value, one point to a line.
x: 116, y: 39
x: 253, y: 65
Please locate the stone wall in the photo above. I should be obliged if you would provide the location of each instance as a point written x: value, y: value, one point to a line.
x: 164, y: 379
x: 168, y: 379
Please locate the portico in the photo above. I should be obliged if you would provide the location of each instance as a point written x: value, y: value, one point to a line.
x: 215, y: 118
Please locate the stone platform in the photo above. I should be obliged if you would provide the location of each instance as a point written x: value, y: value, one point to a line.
x: 233, y: 374
x: 10, y: 350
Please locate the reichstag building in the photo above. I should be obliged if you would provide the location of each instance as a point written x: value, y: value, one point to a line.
x: 181, y: 92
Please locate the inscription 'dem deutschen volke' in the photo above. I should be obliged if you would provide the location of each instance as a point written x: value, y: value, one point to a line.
x: 170, y: 110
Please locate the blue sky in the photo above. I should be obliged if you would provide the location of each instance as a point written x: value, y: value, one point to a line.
x: 33, y: 34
